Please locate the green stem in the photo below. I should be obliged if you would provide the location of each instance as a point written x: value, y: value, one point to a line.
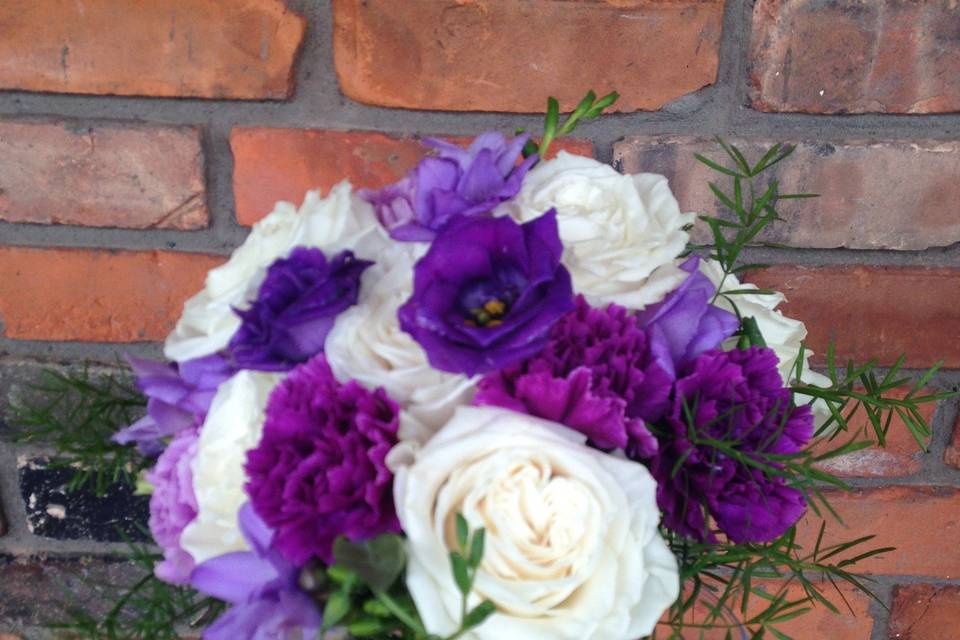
x: 402, y: 614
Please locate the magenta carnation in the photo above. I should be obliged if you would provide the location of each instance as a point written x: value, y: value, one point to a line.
x: 173, y: 505
x: 596, y: 375
x: 735, y: 397
x: 319, y: 470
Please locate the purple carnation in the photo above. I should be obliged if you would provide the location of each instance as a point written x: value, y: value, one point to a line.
x: 736, y: 397
x: 295, y: 309
x: 173, y: 505
x: 454, y: 182
x: 319, y: 470
x: 686, y: 324
x: 178, y: 397
x: 596, y: 375
x: 487, y: 293
x: 262, y: 587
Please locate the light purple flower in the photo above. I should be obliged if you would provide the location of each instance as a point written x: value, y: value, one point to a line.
x: 319, y: 471
x: 295, y: 309
x: 262, y: 587
x: 173, y: 505
x: 487, y: 293
x: 685, y: 324
x: 178, y: 397
x: 454, y: 182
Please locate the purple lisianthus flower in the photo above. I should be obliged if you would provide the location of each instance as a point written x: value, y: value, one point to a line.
x: 261, y: 585
x: 487, y: 293
x: 454, y: 182
x: 295, y: 309
x: 319, y: 471
x: 736, y: 397
x: 178, y: 397
x: 596, y: 375
x: 685, y: 324
x: 173, y: 505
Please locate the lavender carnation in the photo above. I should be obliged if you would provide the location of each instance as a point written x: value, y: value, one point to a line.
x: 319, y: 470
x: 736, y: 397
x: 173, y: 505
x: 596, y: 375
x: 295, y: 309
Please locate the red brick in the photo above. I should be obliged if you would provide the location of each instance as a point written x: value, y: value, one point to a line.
x: 850, y: 56
x: 103, y: 175
x: 919, y: 521
x: 185, y: 48
x: 873, y: 195
x: 924, y: 612
x: 952, y: 454
x: 94, y: 295
x: 873, y: 312
x: 509, y: 55
x: 283, y: 164
x: 899, y: 457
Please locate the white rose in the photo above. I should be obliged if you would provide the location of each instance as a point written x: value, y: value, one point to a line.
x: 233, y: 426
x: 366, y: 344
x: 621, y: 234
x: 572, y: 545
x: 335, y: 223
x: 782, y: 334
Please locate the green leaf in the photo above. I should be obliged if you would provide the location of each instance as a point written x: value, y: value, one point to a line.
x: 366, y: 628
x: 476, y: 547
x: 375, y: 608
x: 377, y: 562
x: 463, y: 531
x: 751, y: 330
x: 461, y: 572
x: 336, y: 609
x: 479, y: 614
x: 718, y: 167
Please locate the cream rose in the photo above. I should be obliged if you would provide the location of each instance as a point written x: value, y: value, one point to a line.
x: 234, y: 425
x: 782, y: 334
x: 367, y: 345
x: 572, y: 546
x: 621, y: 234
x: 335, y: 223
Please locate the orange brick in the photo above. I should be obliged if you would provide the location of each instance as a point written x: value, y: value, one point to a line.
x: 283, y: 164
x: 94, y: 295
x: 873, y: 312
x: 197, y: 48
x: 917, y: 520
x: 509, y: 55
x: 924, y: 612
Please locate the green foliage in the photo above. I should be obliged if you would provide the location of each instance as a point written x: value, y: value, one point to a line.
x: 588, y: 109
x: 77, y: 413
x: 363, y: 593
x: 149, y: 610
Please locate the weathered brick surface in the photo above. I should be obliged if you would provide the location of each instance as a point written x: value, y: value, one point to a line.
x: 924, y: 612
x: 952, y: 454
x: 915, y: 520
x: 96, y: 295
x: 283, y: 164
x: 873, y: 195
x: 200, y: 48
x: 901, y: 456
x: 134, y: 176
x: 847, y: 56
x: 509, y: 55
x: 873, y: 312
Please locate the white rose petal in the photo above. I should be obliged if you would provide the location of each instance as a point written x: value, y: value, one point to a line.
x: 366, y: 344
x: 621, y: 234
x: 572, y: 545
x: 782, y: 334
x: 335, y: 223
x: 233, y: 426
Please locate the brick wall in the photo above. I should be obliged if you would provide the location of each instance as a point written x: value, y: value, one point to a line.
x: 138, y: 141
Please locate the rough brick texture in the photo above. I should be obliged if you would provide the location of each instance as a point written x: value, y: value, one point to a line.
x: 134, y: 176
x: 924, y: 612
x: 201, y: 48
x: 102, y: 296
x: 873, y: 195
x: 283, y: 164
x: 952, y: 454
x: 848, y: 56
x: 861, y: 309
x: 509, y: 55
x: 899, y: 516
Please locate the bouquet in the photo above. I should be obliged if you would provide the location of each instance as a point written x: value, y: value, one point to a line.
x: 505, y: 397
